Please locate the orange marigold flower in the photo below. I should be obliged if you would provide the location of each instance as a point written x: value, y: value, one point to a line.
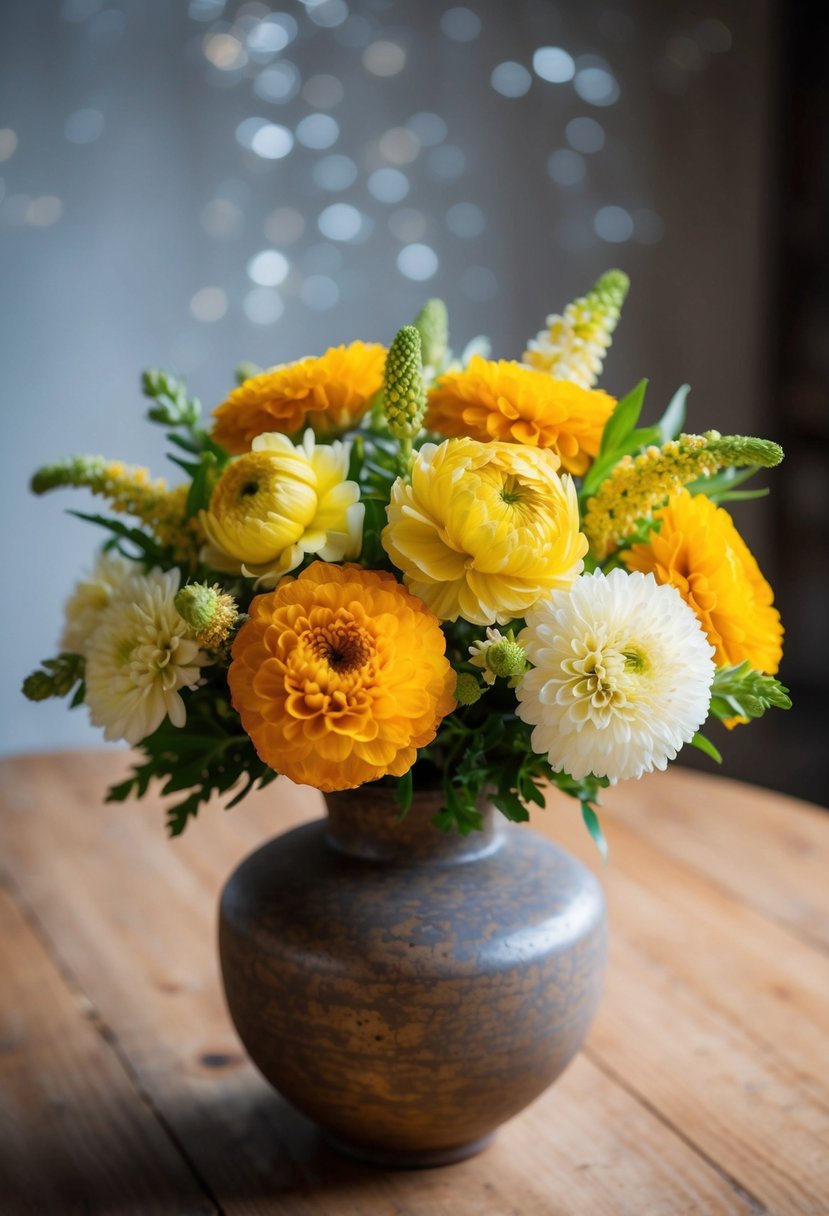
x: 503, y: 400
x: 699, y: 551
x: 339, y: 676
x: 330, y: 393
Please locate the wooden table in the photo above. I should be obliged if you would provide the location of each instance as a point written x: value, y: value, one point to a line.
x: 704, y: 1087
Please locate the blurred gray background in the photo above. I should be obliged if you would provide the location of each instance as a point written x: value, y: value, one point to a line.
x: 191, y: 185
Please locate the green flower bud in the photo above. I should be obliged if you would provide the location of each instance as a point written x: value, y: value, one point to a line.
x: 467, y: 689
x: 55, y: 678
x: 404, y: 399
x: 506, y: 658
x: 432, y: 322
x: 209, y: 611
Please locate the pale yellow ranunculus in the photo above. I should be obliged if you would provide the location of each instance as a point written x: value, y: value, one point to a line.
x: 484, y: 529
x: 280, y: 502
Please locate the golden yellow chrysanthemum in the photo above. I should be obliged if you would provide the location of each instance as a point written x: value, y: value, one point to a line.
x: 330, y: 393
x: 484, y: 529
x: 699, y: 551
x: 340, y: 676
x: 503, y: 400
x: 280, y: 502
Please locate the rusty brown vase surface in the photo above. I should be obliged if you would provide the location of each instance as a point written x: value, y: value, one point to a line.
x: 407, y: 989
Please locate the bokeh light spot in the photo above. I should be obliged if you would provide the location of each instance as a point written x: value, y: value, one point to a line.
x: 613, y: 224
x: 511, y: 79
x: 83, y: 126
x: 319, y: 292
x: 268, y: 268
x: 209, y: 304
x: 465, y: 220
x: 553, y: 64
x: 388, y: 185
x: 417, y: 262
x: 318, y: 131
x: 335, y: 172
x: 566, y: 168
x: 461, y: 24
x: 263, y: 306
x: 340, y: 222
x: 585, y: 135
x: 383, y: 58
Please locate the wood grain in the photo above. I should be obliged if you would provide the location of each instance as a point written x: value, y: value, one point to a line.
x: 701, y: 1091
x: 65, y: 1101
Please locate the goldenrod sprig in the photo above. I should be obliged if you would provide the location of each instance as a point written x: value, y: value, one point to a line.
x: 130, y: 491
x: 640, y: 484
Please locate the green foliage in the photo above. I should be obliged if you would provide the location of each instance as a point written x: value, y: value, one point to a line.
x: 489, y: 753
x: 673, y: 420
x: 211, y: 755
x: 56, y: 678
x: 172, y: 405
x: 742, y: 692
x: 705, y: 745
x: 129, y: 541
x: 621, y: 437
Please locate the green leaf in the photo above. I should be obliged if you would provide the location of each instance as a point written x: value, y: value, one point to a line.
x: 623, y: 420
x: 198, y: 496
x: 673, y: 420
x: 372, y: 553
x: 743, y: 495
x: 404, y: 792
x: 705, y: 745
x: 591, y: 822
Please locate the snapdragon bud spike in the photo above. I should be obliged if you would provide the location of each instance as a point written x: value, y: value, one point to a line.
x: 574, y: 345
x: 404, y: 396
x: 432, y: 323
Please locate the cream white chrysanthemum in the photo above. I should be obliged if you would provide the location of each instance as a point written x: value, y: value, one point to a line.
x: 621, y: 675
x: 107, y: 581
x: 280, y: 502
x: 138, y: 659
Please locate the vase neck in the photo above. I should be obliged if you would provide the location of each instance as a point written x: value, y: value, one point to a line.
x: 368, y: 823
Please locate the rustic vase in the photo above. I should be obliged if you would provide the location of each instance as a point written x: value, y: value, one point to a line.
x: 410, y: 990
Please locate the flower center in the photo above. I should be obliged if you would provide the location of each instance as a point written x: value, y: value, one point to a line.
x: 343, y: 646
x: 603, y: 677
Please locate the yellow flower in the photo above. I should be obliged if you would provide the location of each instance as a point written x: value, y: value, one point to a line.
x: 280, y: 502
x: 484, y: 529
x: 699, y: 551
x: 503, y: 400
x: 340, y: 676
x: 330, y: 393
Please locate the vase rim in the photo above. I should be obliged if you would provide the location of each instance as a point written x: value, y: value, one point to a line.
x: 368, y: 823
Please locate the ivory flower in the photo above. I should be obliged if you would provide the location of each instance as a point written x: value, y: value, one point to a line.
x: 91, y: 596
x: 139, y: 658
x: 280, y: 502
x: 621, y: 676
x: 484, y: 529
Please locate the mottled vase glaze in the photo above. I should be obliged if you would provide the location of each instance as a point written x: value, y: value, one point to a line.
x: 410, y: 990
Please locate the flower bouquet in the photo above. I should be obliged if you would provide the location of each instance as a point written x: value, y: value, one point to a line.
x: 430, y: 587
x: 440, y: 573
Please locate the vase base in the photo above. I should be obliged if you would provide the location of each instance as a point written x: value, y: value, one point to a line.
x: 413, y: 1159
